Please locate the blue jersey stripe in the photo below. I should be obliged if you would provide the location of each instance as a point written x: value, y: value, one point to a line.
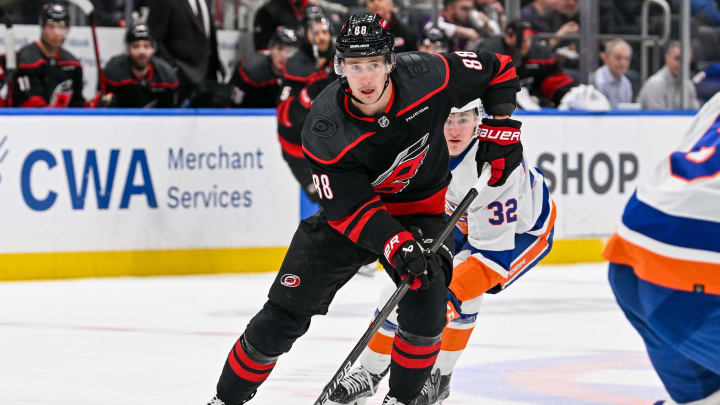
x: 545, y: 209
x: 670, y: 229
x: 455, y: 161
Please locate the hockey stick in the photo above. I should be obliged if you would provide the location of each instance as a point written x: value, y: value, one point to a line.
x: 399, y: 293
x: 87, y: 7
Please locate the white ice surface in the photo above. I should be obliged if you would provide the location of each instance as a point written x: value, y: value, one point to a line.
x: 555, y: 337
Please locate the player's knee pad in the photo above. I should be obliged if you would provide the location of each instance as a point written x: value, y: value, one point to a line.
x: 274, y: 329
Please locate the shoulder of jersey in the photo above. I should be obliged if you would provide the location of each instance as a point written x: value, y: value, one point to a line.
x: 65, y: 55
x: 327, y: 136
x: 117, y: 68
x: 300, y: 67
x: 29, y: 55
x: 258, y: 69
x: 163, y: 69
x: 419, y: 74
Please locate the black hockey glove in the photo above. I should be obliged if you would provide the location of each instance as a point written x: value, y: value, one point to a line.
x: 438, y: 262
x: 500, y: 146
x: 410, y: 260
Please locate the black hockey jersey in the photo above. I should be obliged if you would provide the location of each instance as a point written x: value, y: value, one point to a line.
x: 157, y: 90
x: 369, y: 169
x: 539, y: 71
x: 259, y: 84
x: 47, y: 82
x: 302, y: 81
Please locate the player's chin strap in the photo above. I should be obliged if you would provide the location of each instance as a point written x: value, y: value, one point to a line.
x: 346, y: 89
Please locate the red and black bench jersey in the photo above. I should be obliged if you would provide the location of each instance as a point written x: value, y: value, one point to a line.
x: 302, y: 81
x: 370, y: 169
x: 539, y: 71
x: 157, y: 90
x: 41, y: 81
x: 2, y: 78
x: 260, y: 85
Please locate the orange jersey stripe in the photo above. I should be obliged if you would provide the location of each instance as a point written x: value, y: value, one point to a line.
x: 454, y: 340
x: 668, y: 272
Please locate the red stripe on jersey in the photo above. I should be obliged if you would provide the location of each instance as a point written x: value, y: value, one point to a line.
x: 427, y: 96
x: 342, y: 224
x: 292, y: 149
x: 435, y: 204
x: 34, y: 101
x: 307, y: 79
x: 248, y: 361
x: 394, y: 243
x: 540, y: 61
x: 392, y: 98
x: 504, y: 60
x: 347, y: 108
x: 165, y: 85
x: 412, y: 349
x: 241, y: 372
x: 355, y: 234
x: 125, y: 82
x: 551, y: 84
x: 32, y: 65
x: 501, y: 76
x: 412, y: 363
x: 283, y: 112
x: 341, y: 154
x: 305, y: 99
x: 254, y: 83
x: 69, y: 63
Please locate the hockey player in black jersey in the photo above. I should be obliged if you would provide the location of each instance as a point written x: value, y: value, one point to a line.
x: 374, y: 141
x: 138, y: 79
x: 259, y: 77
x: 48, y: 75
x: 305, y: 75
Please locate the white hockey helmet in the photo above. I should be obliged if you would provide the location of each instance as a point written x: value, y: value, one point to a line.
x: 457, y: 120
x: 469, y: 106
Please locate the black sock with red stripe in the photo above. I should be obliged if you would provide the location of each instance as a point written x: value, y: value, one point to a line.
x: 245, y: 369
x: 412, y: 360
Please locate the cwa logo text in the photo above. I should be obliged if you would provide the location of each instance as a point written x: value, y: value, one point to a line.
x: 134, y: 179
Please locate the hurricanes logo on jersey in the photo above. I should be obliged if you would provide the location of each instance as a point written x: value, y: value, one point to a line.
x: 290, y: 280
x: 403, y: 169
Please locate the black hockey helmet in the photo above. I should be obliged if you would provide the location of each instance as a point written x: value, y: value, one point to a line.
x: 283, y: 36
x: 138, y: 32
x: 54, y: 12
x: 362, y: 37
x: 314, y: 15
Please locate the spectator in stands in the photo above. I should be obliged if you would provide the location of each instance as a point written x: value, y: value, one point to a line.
x: 567, y: 23
x: 488, y: 17
x: 138, y: 79
x: 47, y: 74
x: 610, y: 77
x: 434, y: 40
x: 662, y: 91
x: 542, y: 15
x: 187, y: 39
x: 405, y: 38
x: 536, y: 64
x: 275, y: 13
x: 455, y: 21
x: 259, y: 77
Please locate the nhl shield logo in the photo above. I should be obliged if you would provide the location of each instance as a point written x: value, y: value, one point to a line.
x: 383, y: 121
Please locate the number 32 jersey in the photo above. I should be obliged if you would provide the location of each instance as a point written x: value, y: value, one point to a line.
x: 368, y: 170
x: 504, y: 233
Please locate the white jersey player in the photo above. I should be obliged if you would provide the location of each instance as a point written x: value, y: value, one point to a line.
x: 506, y: 231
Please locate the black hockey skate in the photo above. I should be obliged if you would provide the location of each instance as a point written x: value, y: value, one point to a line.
x: 435, y: 390
x: 356, y: 387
